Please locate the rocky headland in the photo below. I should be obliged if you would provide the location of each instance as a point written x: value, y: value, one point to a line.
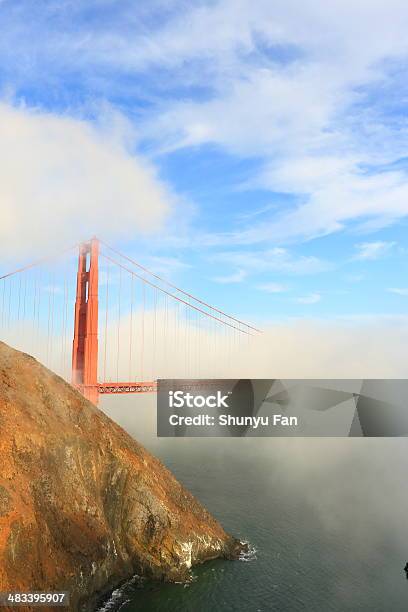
x: 83, y: 506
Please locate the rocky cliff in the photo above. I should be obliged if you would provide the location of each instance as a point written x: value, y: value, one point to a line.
x: 82, y: 505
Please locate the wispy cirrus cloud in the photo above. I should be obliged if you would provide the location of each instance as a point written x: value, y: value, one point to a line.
x: 399, y: 290
x: 278, y: 87
x: 311, y: 298
x: 265, y: 82
x: 272, y: 287
x: 167, y: 266
x: 354, y: 278
x: 372, y: 250
x: 277, y: 259
x: 235, y: 277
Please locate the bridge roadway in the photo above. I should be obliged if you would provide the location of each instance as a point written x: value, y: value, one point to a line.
x: 149, y: 386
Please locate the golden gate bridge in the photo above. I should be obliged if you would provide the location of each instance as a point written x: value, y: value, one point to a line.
x: 109, y: 325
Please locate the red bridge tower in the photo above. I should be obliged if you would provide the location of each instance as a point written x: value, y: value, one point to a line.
x: 85, y: 344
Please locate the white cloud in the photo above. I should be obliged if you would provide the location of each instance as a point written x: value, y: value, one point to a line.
x: 330, y: 203
x: 236, y: 277
x: 354, y: 278
x: 399, y: 291
x: 272, y: 287
x: 63, y: 180
x: 277, y: 259
x: 166, y: 266
x: 277, y: 78
x: 282, y: 84
x: 312, y: 298
x: 372, y: 250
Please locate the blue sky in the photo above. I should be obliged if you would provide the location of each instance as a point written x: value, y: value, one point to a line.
x: 263, y: 145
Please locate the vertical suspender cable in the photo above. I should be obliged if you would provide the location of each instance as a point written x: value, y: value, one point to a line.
x: 106, y: 320
x: 48, y: 326
x: 19, y: 297
x: 119, y: 312
x: 53, y: 289
x: 3, y: 301
x: 131, y: 327
x: 25, y: 294
x: 63, y: 320
x: 154, y: 333
x: 38, y: 306
x: 9, y: 305
x: 143, y: 330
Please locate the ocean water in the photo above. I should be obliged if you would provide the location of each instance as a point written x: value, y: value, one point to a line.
x: 326, y: 520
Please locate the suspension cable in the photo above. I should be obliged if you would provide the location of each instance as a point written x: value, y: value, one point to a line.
x: 163, y: 280
x: 178, y: 298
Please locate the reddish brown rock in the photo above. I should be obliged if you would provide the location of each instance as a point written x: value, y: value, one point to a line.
x: 82, y: 505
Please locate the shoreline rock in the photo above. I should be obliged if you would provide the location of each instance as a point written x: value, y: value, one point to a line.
x: 83, y: 506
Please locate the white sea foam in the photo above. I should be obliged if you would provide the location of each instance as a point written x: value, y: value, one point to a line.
x: 115, y: 600
x: 118, y: 597
x: 250, y: 554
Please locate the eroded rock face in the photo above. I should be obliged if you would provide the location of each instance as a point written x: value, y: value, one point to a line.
x: 82, y: 505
